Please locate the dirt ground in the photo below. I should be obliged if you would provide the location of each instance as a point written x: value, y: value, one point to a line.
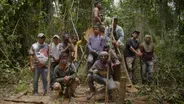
x: 26, y: 97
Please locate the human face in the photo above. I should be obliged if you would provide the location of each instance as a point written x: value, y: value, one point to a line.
x: 41, y: 40
x: 104, y: 58
x: 56, y: 40
x: 62, y: 66
x: 99, y: 5
x: 135, y: 35
x: 96, y: 31
x: 148, y: 40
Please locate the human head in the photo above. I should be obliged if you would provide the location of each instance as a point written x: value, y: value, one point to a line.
x: 103, y: 56
x: 66, y: 38
x: 41, y: 38
x: 148, y: 39
x: 97, y: 4
x: 63, y: 64
x: 56, y: 39
x: 135, y: 34
x: 96, y: 30
x: 63, y: 56
x: 74, y: 40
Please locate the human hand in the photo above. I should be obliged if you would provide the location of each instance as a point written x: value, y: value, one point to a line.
x: 40, y: 65
x: 114, y: 42
x: 66, y: 79
x: 117, y: 44
x: 95, y: 71
x: 32, y: 68
x: 139, y: 54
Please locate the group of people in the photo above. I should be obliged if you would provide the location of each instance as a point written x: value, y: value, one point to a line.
x: 101, y: 48
x: 62, y: 71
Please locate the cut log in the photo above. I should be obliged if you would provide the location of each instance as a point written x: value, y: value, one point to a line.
x: 24, y: 101
x: 21, y: 94
x: 122, y: 90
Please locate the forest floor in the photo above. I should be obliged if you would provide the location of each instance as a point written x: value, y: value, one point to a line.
x: 26, y: 97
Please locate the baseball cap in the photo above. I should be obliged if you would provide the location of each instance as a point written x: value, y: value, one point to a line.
x: 56, y: 36
x: 41, y: 35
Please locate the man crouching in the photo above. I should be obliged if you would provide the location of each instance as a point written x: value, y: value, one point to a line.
x: 98, y: 73
x: 66, y: 80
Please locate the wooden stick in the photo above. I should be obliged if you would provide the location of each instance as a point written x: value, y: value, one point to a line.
x: 123, y: 64
x: 107, y: 79
x: 49, y: 64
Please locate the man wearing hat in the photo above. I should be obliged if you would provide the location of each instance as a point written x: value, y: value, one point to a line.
x: 98, y: 73
x: 38, y: 60
x: 147, y: 49
x: 96, y: 13
x: 55, y: 53
x: 118, y: 34
x: 131, y: 51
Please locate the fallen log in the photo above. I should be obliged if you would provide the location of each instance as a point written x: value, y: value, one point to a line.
x: 21, y: 94
x: 24, y: 101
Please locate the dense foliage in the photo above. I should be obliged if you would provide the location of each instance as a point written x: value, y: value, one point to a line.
x: 22, y: 20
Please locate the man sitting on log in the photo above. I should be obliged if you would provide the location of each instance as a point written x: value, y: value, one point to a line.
x: 95, y: 46
x: 98, y: 73
x: 66, y: 80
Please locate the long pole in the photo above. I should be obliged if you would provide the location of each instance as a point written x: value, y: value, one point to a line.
x: 49, y: 64
x: 107, y: 78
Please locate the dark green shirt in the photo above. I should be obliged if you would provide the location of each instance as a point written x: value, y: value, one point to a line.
x: 59, y: 74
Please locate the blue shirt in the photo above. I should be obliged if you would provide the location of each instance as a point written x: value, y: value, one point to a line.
x: 96, y: 43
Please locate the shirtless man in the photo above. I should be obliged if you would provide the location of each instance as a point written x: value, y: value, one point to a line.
x: 96, y: 13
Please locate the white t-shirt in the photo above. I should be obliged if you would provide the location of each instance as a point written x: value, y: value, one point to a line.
x: 55, y: 52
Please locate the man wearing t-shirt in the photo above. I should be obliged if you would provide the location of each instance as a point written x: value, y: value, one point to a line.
x: 55, y: 53
x: 38, y: 60
x: 131, y: 50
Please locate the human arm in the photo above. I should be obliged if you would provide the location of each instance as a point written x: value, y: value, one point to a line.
x: 57, y: 76
x: 96, y: 15
x: 121, y: 35
x: 94, y: 68
x: 71, y: 46
x: 89, y: 45
x: 31, y: 58
x: 129, y: 45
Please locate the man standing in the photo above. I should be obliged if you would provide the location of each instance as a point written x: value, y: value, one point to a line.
x: 96, y: 13
x: 98, y: 73
x: 55, y: 53
x: 147, y: 49
x: 95, y: 46
x: 67, y: 47
x: 38, y: 60
x: 65, y: 79
x: 131, y: 50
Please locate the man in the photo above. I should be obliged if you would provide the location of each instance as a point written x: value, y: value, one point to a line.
x: 96, y: 13
x: 55, y: 53
x: 67, y: 47
x: 118, y: 34
x: 98, y: 73
x: 38, y: 60
x: 95, y: 46
x: 147, y: 49
x: 131, y: 50
x: 65, y: 79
